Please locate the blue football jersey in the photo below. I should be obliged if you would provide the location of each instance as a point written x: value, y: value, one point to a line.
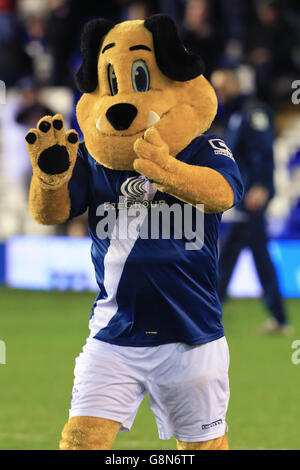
x: 155, y: 257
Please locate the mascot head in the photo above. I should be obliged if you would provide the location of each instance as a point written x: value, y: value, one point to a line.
x: 135, y: 75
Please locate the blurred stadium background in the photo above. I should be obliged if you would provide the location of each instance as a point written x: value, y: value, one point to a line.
x: 44, y: 328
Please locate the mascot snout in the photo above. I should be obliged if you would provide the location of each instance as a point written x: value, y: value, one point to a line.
x: 121, y: 115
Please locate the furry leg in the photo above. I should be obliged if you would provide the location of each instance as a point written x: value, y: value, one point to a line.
x: 221, y: 443
x: 89, y: 433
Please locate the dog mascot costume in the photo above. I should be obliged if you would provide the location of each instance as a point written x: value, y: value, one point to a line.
x: 156, y: 324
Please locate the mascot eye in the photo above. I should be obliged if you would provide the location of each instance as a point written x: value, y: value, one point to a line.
x: 112, y: 80
x: 140, y: 76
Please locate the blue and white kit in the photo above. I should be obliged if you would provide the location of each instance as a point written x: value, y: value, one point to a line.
x: 156, y: 324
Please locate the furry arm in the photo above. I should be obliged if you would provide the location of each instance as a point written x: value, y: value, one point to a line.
x: 190, y: 183
x: 53, y: 154
x: 48, y: 206
x: 199, y: 185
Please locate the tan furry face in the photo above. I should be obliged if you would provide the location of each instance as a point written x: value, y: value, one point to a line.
x: 109, y: 138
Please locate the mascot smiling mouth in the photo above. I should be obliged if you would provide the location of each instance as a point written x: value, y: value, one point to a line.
x: 152, y: 119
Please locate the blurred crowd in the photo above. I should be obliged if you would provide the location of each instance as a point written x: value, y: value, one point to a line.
x: 40, y: 47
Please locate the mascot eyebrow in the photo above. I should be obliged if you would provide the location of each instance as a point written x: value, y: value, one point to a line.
x: 140, y: 46
x: 108, y: 46
x: 132, y: 48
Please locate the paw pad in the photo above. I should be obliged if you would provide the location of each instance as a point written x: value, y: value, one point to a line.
x: 57, y: 124
x: 72, y: 138
x: 30, y: 138
x: 54, y: 160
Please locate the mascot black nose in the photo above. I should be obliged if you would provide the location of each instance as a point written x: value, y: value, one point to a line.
x: 121, y: 115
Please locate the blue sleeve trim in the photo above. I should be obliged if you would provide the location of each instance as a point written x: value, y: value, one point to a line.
x: 236, y: 186
x: 216, y: 155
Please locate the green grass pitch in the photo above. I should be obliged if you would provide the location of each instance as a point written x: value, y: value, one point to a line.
x: 45, y: 331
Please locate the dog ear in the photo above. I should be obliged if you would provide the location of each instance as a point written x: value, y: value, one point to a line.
x: 172, y: 58
x: 87, y: 77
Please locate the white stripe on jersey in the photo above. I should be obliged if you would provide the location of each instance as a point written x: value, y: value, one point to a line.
x: 123, y: 238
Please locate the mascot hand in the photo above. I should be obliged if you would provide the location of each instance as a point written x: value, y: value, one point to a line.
x: 52, y: 151
x: 154, y: 160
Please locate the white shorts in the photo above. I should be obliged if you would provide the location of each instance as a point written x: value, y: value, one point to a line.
x: 188, y: 386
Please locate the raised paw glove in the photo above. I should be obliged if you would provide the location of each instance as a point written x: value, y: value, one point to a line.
x: 52, y: 151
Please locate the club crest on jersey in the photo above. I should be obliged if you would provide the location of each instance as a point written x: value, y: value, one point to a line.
x: 220, y: 148
x: 134, y: 188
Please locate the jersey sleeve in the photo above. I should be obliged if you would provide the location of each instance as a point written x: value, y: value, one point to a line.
x: 217, y: 156
x: 78, y: 186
